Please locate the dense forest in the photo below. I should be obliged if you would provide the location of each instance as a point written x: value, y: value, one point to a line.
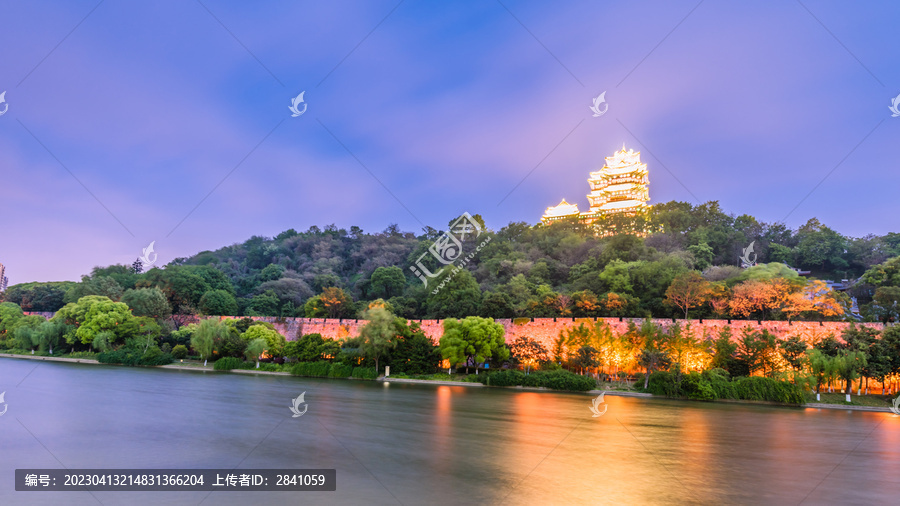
x: 684, y: 262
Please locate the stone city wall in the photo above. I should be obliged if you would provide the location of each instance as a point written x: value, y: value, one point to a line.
x: 546, y: 330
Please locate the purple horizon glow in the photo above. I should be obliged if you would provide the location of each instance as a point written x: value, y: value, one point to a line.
x: 151, y: 106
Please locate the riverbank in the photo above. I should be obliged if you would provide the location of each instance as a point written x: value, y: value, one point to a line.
x: 619, y: 393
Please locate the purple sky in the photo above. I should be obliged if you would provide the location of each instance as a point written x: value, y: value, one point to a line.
x: 121, y: 122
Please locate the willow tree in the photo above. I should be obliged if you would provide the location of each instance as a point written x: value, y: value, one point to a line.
x: 254, y: 349
x: 205, y: 336
x: 378, y: 335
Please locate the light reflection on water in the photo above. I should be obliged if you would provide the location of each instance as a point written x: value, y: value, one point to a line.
x: 428, y: 444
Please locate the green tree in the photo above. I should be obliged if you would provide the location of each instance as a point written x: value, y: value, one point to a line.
x: 275, y: 342
x: 818, y: 364
x: 414, y: 353
x: 205, y: 336
x: 264, y: 304
x: 39, y: 296
x: 653, y: 344
x: 472, y: 339
x: 848, y: 365
x: 885, y: 305
x: 95, y: 313
x: 724, y: 355
x: 387, y: 282
x: 52, y: 333
x: 793, y: 351
x: 104, y: 286
x: 10, y: 314
x: 458, y: 295
x: 378, y: 335
x: 497, y: 305
x: 147, y: 302
x: 254, y: 349
x: 820, y: 247
x: 103, y: 341
x: 757, y: 349
x: 311, y: 348
x: 585, y: 358
x: 219, y: 303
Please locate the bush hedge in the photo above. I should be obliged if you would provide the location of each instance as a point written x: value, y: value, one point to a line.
x: 328, y: 370
x: 367, y: 373
x: 82, y: 354
x: 153, y: 356
x: 340, y: 371
x: 227, y: 364
x: 556, y: 380
x: 179, y: 351
x: 716, y: 384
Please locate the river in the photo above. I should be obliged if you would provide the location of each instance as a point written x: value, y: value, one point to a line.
x: 416, y: 444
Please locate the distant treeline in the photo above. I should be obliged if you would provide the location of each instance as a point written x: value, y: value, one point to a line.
x: 684, y: 259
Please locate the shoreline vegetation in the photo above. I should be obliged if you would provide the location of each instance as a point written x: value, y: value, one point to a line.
x: 676, y: 262
x: 440, y: 380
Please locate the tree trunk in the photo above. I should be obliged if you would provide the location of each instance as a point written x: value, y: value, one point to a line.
x: 647, y: 379
x: 848, y: 389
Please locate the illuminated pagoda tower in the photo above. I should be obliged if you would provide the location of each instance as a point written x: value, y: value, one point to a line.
x: 620, y: 186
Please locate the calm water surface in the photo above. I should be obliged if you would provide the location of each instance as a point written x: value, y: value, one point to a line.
x: 427, y: 444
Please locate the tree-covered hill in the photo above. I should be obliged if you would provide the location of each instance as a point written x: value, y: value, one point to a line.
x: 520, y: 270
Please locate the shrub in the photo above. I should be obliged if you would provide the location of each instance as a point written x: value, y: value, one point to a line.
x: 155, y: 356
x: 663, y: 383
x: 715, y: 384
x: 550, y: 366
x: 506, y: 378
x: 767, y: 389
x: 639, y: 381
x: 313, y: 369
x: 82, y: 354
x: 340, y: 371
x: 560, y: 380
x: 114, y: 357
x: 179, y: 351
x: 131, y: 356
x: 227, y: 363
x: 367, y: 373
